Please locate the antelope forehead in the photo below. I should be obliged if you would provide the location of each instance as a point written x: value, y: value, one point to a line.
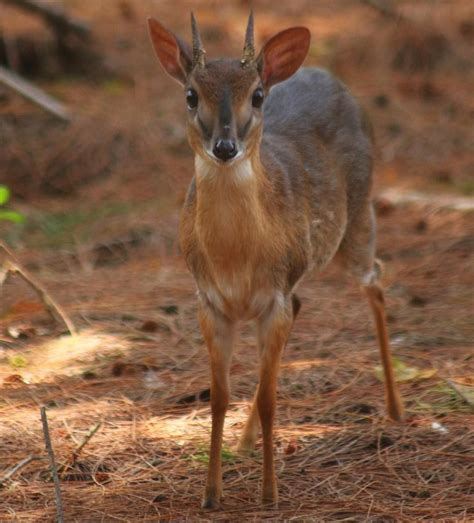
x: 221, y: 76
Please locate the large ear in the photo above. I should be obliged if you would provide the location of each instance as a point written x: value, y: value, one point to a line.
x: 173, y: 53
x: 283, y: 55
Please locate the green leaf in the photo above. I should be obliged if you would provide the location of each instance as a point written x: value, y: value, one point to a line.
x: 4, y: 194
x: 12, y: 216
x: 18, y: 361
x: 202, y: 456
x: 405, y: 373
x: 227, y: 455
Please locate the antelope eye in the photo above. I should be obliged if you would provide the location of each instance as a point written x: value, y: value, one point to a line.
x: 191, y: 99
x: 257, y: 98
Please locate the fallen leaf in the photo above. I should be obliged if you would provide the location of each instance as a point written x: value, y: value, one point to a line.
x: 464, y: 392
x: 291, y: 448
x: 23, y: 308
x: 405, y: 373
x: 102, y: 477
x: 149, y: 326
x: 14, y: 379
x: 22, y: 331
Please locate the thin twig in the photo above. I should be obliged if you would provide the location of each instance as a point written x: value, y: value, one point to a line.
x: 85, y: 441
x: 52, y: 463
x: 23, y: 463
x: 11, y: 266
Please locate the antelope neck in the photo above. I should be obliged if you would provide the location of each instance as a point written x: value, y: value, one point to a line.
x: 229, y: 209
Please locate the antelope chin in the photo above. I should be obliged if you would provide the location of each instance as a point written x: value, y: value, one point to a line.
x: 239, y: 168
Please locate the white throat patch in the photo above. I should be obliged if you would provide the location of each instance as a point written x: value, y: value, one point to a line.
x: 239, y: 170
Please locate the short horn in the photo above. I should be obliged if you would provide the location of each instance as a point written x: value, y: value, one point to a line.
x: 199, y: 53
x: 248, y: 56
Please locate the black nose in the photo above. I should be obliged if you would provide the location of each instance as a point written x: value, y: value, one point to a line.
x: 225, y: 149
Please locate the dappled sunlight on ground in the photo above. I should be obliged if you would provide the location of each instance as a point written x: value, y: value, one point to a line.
x: 68, y: 355
x: 304, y: 364
x: 190, y: 426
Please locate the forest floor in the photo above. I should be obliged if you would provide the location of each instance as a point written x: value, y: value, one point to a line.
x: 101, y: 199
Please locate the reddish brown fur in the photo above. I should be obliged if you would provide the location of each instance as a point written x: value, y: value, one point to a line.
x: 296, y: 194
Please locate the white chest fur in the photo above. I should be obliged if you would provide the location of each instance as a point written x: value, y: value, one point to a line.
x: 237, y: 171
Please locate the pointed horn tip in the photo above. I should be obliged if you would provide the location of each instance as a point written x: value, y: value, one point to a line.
x: 248, y: 55
x: 198, y: 49
x: 250, y: 22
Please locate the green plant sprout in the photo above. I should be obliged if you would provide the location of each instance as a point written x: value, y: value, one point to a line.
x: 6, y: 214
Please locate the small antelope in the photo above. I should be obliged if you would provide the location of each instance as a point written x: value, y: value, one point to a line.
x: 283, y: 173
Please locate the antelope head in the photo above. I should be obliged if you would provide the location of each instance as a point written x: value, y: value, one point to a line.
x: 225, y: 97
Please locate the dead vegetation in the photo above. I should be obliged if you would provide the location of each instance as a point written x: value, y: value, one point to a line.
x: 127, y: 397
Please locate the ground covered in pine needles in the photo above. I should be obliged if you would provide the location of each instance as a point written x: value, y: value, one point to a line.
x: 127, y: 397
x: 138, y: 368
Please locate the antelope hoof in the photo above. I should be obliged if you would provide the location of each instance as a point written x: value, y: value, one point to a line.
x: 210, y: 504
x: 270, y: 499
x: 211, y: 501
x: 246, y: 446
x: 395, y: 408
x: 396, y: 413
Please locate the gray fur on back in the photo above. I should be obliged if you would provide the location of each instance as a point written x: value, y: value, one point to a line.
x: 317, y: 146
x: 316, y: 113
x: 313, y: 102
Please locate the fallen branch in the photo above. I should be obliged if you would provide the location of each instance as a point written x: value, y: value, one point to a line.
x: 449, y: 202
x: 54, y: 16
x: 85, y: 441
x: 385, y: 8
x: 52, y: 463
x: 34, y: 94
x: 11, y: 266
x: 23, y: 463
